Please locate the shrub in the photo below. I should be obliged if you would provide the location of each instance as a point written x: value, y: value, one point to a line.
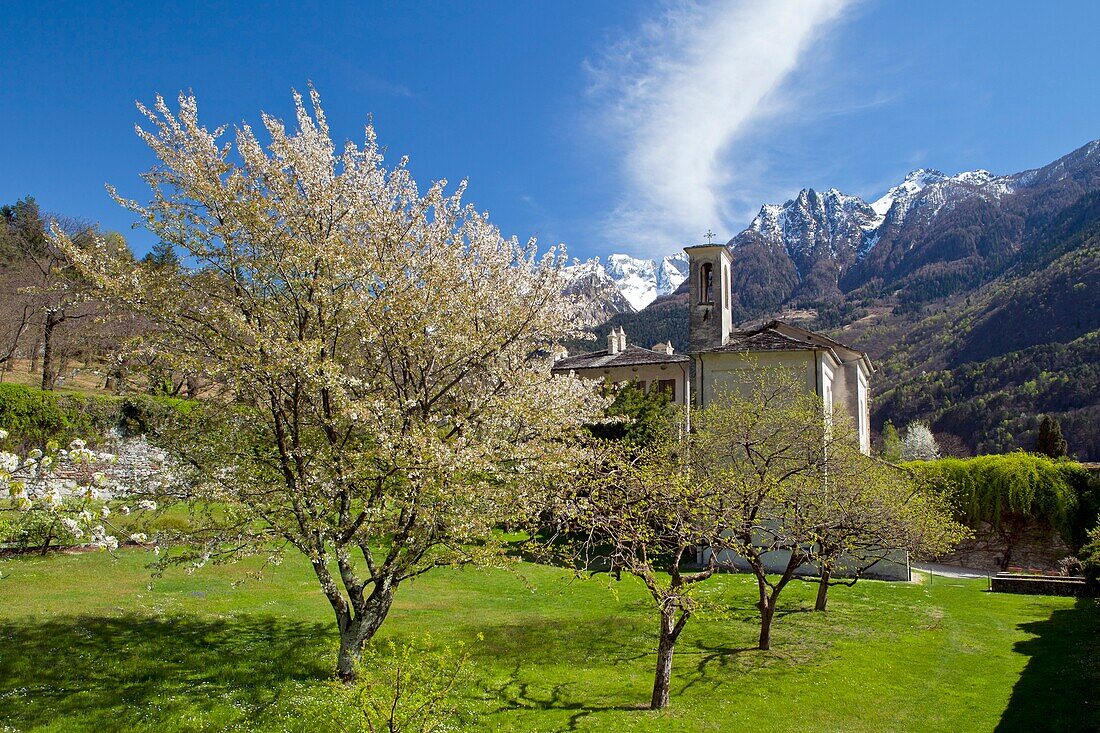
x: 1090, y: 558
x: 1016, y: 487
x: 34, y: 416
x: 403, y: 688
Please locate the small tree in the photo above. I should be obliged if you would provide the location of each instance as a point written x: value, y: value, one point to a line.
x: 643, y: 511
x: 56, y: 495
x: 386, y: 400
x: 873, y: 509
x: 891, y: 442
x: 1050, y: 441
x: 919, y: 443
x: 402, y: 688
x: 1090, y: 558
x: 634, y: 415
x: 771, y: 448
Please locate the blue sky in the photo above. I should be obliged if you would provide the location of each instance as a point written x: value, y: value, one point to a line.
x: 612, y: 126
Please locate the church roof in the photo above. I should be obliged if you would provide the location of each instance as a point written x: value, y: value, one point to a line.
x: 630, y: 356
x: 780, y: 336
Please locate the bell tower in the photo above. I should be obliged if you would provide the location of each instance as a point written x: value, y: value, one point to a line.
x: 711, y: 311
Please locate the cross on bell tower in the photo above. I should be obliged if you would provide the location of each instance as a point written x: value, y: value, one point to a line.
x: 710, y: 236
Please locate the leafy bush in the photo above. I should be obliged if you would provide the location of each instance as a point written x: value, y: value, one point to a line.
x: 1090, y: 557
x: 34, y: 416
x: 22, y: 531
x: 403, y: 688
x: 999, y: 489
x: 644, y: 416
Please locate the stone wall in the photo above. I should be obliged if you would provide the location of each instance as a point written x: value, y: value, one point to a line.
x: 1038, y: 585
x: 1039, y: 548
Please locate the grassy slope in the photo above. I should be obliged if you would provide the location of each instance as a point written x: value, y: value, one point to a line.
x: 87, y: 643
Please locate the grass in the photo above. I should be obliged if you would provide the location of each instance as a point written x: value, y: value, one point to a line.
x: 83, y: 381
x: 88, y: 643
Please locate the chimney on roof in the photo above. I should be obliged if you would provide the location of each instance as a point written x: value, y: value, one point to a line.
x: 622, y: 339
x: 665, y: 348
x: 613, y: 342
x: 560, y: 352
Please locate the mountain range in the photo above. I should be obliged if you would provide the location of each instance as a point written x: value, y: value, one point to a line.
x: 977, y: 294
x: 624, y: 284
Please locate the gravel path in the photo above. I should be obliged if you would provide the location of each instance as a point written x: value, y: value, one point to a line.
x: 950, y: 571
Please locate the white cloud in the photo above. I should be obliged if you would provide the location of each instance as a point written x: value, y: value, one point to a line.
x: 678, y: 97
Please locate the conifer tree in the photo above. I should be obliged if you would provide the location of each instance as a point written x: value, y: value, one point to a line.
x: 1050, y: 441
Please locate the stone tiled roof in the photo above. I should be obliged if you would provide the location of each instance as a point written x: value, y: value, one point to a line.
x: 764, y: 339
x: 779, y: 336
x: 630, y: 356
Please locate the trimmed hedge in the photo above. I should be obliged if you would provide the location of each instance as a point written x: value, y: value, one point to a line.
x: 994, y: 488
x: 33, y: 416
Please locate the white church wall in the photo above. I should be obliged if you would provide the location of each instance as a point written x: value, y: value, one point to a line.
x: 733, y: 372
x: 895, y: 566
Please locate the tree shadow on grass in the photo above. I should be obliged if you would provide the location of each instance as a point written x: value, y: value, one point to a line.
x: 515, y: 694
x: 133, y: 671
x: 1059, y: 689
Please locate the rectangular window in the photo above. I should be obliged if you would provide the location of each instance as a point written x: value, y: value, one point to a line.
x: 668, y: 385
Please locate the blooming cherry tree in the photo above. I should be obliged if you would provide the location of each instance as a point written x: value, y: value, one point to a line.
x: 381, y: 356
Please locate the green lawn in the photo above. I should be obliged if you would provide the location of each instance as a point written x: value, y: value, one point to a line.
x: 90, y: 643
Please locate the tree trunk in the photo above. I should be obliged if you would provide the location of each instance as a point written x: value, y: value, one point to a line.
x: 823, y: 590
x: 34, y: 355
x: 767, y: 612
x: 356, y: 631
x: 47, y: 351
x: 662, y: 681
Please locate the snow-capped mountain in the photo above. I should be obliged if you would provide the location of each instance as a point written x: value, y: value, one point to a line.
x: 642, y: 281
x: 803, y: 249
x: 597, y: 294
x: 636, y: 282
x: 846, y: 228
x: 913, y: 184
x: 929, y: 235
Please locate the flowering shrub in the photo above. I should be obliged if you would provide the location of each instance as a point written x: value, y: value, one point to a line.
x: 57, y: 496
x: 403, y: 688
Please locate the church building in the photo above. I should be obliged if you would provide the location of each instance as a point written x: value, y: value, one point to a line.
x: 719, y: 355
x: 652, y: 369
x: 839, y: 374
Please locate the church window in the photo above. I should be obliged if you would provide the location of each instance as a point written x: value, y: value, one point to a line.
x: 706, y: 283
x: 668, y: 385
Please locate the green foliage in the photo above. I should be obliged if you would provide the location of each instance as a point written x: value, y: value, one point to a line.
x: 1090, y: 557
x: 645, y: 416
x: 891, y: 443
x: 402, y: 688
x: 23, y: 531
x: 1050, y: 441
x: 34, y: 416
x: 996, y: 488
x: 162, y: 256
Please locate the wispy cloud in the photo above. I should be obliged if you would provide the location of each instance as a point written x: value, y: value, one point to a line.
x: 678, y: 98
